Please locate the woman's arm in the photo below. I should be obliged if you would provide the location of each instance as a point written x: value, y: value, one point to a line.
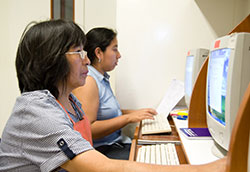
x: 93, y: 161
x: 134, y: 112
x: 126, y: 111
x: 89, y: 98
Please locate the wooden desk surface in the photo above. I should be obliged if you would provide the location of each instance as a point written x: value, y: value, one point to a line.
x: 173, y: 136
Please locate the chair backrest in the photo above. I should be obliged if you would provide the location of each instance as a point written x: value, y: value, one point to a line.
x: 237, y: 157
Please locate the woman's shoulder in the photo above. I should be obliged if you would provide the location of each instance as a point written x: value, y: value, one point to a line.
x: 33, y: 97
x: 95, y: 74
x: 38, y: 104
x: 37, y: 111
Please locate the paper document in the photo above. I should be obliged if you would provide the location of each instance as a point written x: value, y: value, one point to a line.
x: 173, y: 95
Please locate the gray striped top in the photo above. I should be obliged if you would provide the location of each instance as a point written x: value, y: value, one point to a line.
x: 29, y: 140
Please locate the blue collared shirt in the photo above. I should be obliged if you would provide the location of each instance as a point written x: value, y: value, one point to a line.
x: 108, y: 107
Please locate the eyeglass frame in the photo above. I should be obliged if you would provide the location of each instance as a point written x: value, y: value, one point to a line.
x: 82, y: 53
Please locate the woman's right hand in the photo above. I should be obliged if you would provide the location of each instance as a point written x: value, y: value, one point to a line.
x: 141, y: 114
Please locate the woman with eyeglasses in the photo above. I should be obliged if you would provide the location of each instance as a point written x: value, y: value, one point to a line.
x: 48, y: 130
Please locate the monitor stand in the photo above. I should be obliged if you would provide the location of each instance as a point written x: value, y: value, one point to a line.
x: 218, y: 151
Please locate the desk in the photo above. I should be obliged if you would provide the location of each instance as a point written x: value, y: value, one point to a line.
x: 189, y: 151
x: 173, y: 137
x: 197, y: 151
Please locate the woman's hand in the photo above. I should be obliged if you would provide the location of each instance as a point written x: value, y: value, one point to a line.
x: 138, y: 115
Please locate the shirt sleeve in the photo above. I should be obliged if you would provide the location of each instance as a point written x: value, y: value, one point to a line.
x: 43, y: 124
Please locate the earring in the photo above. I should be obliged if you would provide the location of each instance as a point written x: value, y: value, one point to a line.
x: 99, y: 60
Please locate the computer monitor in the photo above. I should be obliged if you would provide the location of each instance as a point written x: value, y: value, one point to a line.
x: 194, y: 61
x: 227, y: 78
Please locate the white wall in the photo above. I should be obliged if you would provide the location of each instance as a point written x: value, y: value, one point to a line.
x: 14, y: 16
x: 154, y: 37
x: 153, y: 43
x: 79, y: 13
x: 100, y: 13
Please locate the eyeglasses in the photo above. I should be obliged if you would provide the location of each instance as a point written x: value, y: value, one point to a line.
x: 82, y: 53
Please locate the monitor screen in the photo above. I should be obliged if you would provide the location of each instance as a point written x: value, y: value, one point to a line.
x: 194, y: 60
x: 227, y: 78
x: 189, y: 74
x: 217, y: 83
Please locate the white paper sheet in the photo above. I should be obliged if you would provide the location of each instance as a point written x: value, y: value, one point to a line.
x: 173, y: 95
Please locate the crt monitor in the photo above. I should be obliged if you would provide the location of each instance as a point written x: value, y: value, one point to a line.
x: 227, y: 78
x: 194, y: 61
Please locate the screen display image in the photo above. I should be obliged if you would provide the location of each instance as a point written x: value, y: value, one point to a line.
x: 217, y: 83
x: 189, y: 73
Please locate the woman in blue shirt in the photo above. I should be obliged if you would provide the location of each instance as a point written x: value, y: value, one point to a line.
x: 99, y: 102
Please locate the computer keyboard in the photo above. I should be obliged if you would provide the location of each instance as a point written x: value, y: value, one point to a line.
x: 160, y: 124
x: 161, y: 154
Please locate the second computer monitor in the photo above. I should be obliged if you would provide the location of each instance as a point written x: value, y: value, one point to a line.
x: 194, y: 61
x: 227, y: 78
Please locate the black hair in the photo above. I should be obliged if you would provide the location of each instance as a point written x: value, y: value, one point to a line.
x: 98, y: 37
x: 40, y: 60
